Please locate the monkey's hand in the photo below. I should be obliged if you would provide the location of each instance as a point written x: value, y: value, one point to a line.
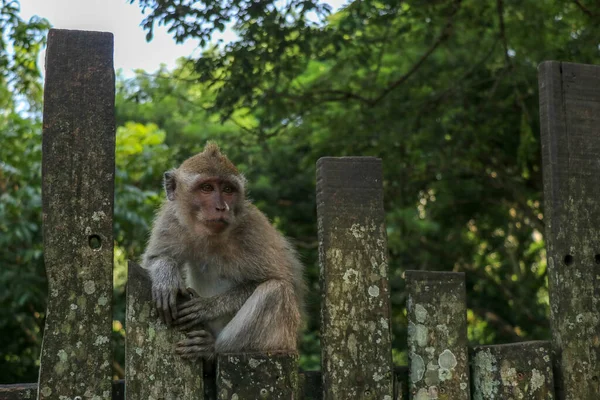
x: 192, y: 312
x: 164, y: 295
x: 198, y: 344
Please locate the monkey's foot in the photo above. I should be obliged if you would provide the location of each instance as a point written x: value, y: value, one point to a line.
x: 198, y: 344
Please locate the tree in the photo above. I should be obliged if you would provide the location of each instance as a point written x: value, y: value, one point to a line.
x: 22, y: 276
x: 444, y: 91
x: 175, y: 105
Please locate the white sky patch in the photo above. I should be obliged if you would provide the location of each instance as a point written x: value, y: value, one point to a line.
x: 123, y: 20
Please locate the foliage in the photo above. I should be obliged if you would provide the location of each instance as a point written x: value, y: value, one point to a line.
x: 170, y: 101
x: 22, y: 277
x: 444, y: 91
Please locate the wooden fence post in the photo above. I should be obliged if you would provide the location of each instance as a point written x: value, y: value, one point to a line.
x: 437, y: 335
x: 570, y: 119
x: 513, y: 371
x: 257, y: 376
x: 78, y: 190
x: 152, y: 368
x: 355, y: 327
x: 19, y: 391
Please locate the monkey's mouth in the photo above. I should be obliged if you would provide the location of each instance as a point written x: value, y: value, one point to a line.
x: 217, y: 225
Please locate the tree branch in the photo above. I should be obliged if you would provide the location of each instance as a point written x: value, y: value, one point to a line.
x: 498, y: 323
x: 500, y: 10
x: 440, y: 39
x: 585, y: 9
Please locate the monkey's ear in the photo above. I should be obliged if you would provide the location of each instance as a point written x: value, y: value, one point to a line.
x: 170, y: 184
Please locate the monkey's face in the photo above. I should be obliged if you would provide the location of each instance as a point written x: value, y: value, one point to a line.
x: 213, y: 202
x: 207, y: 204
x: 208, y: 191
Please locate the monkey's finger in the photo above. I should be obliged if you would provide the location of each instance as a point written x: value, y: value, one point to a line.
x: 189, y: 306
x: 184, y: 319
x: 194, y: 342
x: 200, y: 333
x: 173, y: 305
x: 158, y: 304
x: 165, y: 308
x: 189, y: 313
x: 188, y: 349
x: 188, y: 326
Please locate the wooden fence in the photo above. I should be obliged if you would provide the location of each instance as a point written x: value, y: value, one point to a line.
x: 78, y: 189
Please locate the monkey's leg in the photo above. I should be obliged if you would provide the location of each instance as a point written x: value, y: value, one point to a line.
x: 198, y: 344
x: 269, y: 320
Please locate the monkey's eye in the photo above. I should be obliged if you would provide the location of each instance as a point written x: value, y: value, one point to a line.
x: 228, y: 189
x: 206, y: 187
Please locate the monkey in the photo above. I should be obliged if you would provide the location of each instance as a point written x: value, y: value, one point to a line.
x: 241, y: 280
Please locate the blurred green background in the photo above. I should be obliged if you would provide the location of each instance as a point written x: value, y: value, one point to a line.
x: 444, y: 91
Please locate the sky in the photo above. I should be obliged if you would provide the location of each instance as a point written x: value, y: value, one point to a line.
x: 123, y: 20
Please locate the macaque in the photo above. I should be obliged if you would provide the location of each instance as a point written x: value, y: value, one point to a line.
x: 242, y: 280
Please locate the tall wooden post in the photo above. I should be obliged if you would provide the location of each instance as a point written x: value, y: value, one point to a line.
x: 152, y: 368
x: 78, y: 190
x: 355, y: 325
x: 570, y: 131
x: 437, y: 335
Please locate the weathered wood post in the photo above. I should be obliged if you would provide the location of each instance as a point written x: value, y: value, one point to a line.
x: 437, y: 335
x: 570, y: 123
x: 513, y: 371
x: 152, y: 368
x: 257, y: 376
x: 78, y: 189
x: 19, y: 391
x: 355, y: 309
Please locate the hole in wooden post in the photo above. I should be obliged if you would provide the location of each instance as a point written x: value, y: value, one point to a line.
x: 568, y: 259
x: 597, y: 258
x: 95, y: 242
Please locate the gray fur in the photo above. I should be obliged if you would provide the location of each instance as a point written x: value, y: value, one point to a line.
x: 247, y: 280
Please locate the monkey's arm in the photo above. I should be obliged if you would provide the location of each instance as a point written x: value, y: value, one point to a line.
x: 201, y: 309
x: 163, y: 260
x: 166, y: 285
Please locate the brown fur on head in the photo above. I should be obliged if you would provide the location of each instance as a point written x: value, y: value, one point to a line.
x: 211, y: 162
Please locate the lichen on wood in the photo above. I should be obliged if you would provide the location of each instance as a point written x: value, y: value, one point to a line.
x: 569, y: 121
x: 355, y: 308
x: 513, y: 371
x: 77, y: 207
x: 437, y: 335
x: 257, y: 376
x: 20, y: 391
x: 152, y: 368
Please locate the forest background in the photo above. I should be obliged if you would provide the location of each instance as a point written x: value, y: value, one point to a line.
x: 444, y: 91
